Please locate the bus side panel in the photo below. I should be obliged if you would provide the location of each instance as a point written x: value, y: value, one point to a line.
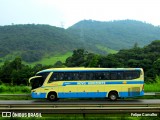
x: 91, y: 91
x: 82, y: 91
x: 131, y: 91
x: 113, y: 87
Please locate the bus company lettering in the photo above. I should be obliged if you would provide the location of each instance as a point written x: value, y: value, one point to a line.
x: 96, y: 83
x: 90, y: 83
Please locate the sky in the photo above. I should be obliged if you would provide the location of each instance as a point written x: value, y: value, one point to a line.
x: 65, y: 13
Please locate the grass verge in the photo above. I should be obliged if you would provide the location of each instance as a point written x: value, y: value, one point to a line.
x: 107, y: 116
x: 51, y: 60
x: 152, y: 87
x: 7, y: 89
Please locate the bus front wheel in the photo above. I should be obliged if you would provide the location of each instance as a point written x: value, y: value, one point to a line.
x: 113, y: 96
x: 52, y: 96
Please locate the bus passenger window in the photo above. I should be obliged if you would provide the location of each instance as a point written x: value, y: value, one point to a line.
x: 100, y: 76
x: 54, y: 77
x: 120, y: 75
x: 61, y: 76
x: 128, y: 75
x: 136, y: 74
x: 82, y: 76
x: 89, y: 76
x: 107, y: 75
x: 68, y: 76
x: 97, y: 76
x: 75, y: 76
x: 113, y: 75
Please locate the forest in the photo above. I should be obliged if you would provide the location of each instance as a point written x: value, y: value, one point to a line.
x: 33, y: 42
x: 16, y: 73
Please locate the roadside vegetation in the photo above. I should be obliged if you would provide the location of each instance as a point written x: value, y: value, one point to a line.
x: 5, y: 89
x: 14, y: 74
x: 153, y: 87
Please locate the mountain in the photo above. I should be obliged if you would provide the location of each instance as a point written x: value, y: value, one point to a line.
x: 34, y: 41
x: 115, y: 34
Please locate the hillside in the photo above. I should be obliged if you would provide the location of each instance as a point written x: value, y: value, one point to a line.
x: 32, y: 42
x: 115, y: 34
x: 38, y: 42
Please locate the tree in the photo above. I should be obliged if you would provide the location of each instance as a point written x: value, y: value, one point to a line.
x: 58, y: 64
x: 79, y: 58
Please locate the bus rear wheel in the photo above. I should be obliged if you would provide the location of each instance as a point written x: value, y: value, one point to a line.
x: 52, y: 96
x: 113, y: 96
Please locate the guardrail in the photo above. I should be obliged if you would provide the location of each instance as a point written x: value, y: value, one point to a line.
x: 152, y: 93
x: 147, y: 93
x: 73, y: 108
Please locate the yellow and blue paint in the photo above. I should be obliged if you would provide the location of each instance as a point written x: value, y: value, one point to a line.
x: 90, y: 88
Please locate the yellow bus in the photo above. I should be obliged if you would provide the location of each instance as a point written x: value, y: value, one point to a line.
x: 109, y: 83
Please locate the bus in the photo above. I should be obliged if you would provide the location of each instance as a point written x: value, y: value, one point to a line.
x: 112, y: 83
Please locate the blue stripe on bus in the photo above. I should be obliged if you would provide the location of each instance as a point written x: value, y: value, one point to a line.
x: 87, y: 94
x: 135, y: 82
x: 101, y: 83
x: 82, y: 95
x: 130, y: 94
x: 114, y: 82
x: 97, y: 94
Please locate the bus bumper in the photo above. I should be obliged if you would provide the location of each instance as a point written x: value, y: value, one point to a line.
x: 38, y: 95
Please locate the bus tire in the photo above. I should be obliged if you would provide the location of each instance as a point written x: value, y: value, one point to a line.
x: 113, y: 95
x: 52, y: 96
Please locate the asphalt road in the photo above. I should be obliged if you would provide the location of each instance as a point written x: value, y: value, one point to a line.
x: 83, y: 101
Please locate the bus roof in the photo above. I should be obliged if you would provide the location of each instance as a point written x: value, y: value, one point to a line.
x: 85, y: 69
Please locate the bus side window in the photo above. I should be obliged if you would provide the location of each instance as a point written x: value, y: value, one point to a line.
x: 128, y: 75
x: 75, y: 76
x: 113, y: 75
x: 54, y: 77
x: 136, y: 74
x: 82, y: 76
x: 100, y: 76
x: 97, y: 76
x: 61, y: 76
x: 89, y: 76
x: 120, y: 75
x: 106, y: 75
x: 68, y: 76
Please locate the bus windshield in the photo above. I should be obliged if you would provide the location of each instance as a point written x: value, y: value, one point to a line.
x: 38, y: 80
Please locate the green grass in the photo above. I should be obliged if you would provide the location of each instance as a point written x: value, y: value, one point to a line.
x: 107, y: 116
x: 106, y: 49
x: 46, y: 60
x: 7, y: 89
x: 51, y: 60
x: 152, y: 87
